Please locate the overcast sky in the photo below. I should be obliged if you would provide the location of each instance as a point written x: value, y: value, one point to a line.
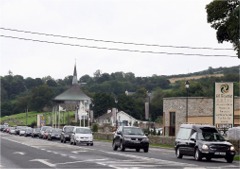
x: 161, y: 22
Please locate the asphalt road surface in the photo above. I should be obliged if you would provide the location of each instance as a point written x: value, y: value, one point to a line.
x: 27, y: 152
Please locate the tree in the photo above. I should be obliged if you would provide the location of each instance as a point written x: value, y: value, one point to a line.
x: 224, y: 17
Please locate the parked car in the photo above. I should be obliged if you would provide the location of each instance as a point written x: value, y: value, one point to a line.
x: 12, y: 130
x: 130, y: 137
x: 22, y: 131
x: 42, y: 130
x: 18, y: 128
x: 46, y: 132
x: 82, y: 135
x: 35, y: 132
x: 54, y: 134
x: 66, y: 133
x: 202, y: 141
x: 28, y: 132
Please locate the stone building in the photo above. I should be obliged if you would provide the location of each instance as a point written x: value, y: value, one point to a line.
x: 199, y: 110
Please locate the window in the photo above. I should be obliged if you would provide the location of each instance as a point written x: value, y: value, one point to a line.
x: 184, y: 133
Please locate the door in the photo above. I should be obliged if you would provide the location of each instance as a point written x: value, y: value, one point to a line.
x: 172, y: 124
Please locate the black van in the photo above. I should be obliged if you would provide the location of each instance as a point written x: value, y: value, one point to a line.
x: 202, y: 141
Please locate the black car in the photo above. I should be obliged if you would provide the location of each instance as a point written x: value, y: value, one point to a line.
x: 202, y: 141
x: 66, y: 133
x: 54, y: 134
x: 130, y: 137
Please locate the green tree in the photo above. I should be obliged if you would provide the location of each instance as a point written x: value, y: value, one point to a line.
x: 224, y: 17
x: 41, y: 97
x: 102, y: 102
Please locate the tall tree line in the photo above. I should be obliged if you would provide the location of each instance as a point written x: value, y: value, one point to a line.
x: 121, y: 90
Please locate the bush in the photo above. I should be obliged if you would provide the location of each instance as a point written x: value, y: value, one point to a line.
x: 95, y: 127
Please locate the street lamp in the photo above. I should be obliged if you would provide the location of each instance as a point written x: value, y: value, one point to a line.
x: 116, y: 101
x: 187, y: 84
x: 149, y: 115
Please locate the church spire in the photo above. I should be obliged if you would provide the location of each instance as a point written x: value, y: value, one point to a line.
x: 74, y: 80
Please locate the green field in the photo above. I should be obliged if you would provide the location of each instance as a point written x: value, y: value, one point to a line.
x: 31, y: 118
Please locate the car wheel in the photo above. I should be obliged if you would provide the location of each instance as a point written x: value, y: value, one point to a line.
x: 87, y: 144
x: 145, y: 150
x: 122, y: 148
x: 229, y: 159
x: 198, y: 155
x: 92, y: 144
x: 137, y: 149
x: 208, y: 158
x: 178, y: 153
x: 115, y: 147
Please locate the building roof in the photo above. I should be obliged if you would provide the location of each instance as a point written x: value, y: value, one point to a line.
x: 74, y: 93
x: 105, y: 116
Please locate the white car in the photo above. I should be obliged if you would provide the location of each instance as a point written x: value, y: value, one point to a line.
x: 22, y: 131
x: 82, y: 135
x: 12, y: 130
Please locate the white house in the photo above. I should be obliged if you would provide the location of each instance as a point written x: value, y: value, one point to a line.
x: 113, y: 117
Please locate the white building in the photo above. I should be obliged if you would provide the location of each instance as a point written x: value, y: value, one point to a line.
x: 113, y: 117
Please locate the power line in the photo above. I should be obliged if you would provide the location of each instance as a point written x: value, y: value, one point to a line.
x: 115, y: 49
x: 108, y: 41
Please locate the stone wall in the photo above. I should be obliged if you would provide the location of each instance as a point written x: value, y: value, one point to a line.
x: 200, y: 111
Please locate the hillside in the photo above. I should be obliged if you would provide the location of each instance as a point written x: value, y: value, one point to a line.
x: 193, y: 77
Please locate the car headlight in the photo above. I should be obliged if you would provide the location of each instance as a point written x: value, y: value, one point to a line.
x: 145, y: 139
x: 204, y: 147
x: 232, y: 148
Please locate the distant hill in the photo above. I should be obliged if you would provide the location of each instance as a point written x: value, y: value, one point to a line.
x: 174, y: 79
x: 210, y: 72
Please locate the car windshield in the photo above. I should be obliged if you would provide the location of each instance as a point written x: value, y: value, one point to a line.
x: 69, y: 129
x: 83, y: 131
x: 55, y: 131
x: 206, y: 136
x: 45, y: 128
x: 132, y: 131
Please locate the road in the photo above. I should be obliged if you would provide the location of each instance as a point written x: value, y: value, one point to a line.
x: 27, y: 152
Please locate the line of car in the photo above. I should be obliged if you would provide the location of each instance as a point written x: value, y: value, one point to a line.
x: 199, y: 141
x: 73, y: 134
x: 126, y: 137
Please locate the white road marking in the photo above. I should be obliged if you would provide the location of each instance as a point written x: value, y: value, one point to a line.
x: 78, y: 151
x: 44, y: 161
x: 84, y: 161
x: 18, y: 152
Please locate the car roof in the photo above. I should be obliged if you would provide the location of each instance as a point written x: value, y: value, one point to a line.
x: 82, y: 127
x: 196, y: 127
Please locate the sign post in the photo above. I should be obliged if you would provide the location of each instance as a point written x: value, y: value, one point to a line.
x: 224, y: 111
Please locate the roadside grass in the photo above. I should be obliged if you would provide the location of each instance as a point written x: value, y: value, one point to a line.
x: 20, y: 119
x: 237, y: 158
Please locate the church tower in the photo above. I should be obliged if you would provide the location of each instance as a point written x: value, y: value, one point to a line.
x: 74, y: 80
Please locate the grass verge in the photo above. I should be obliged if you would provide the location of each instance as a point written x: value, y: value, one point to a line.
x: 237, y: 158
